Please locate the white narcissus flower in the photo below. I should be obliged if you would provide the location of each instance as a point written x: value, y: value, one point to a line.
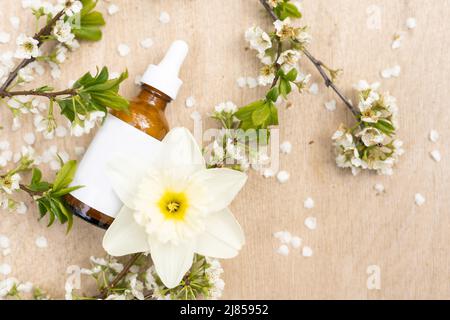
x: 27, y: 47
x: 174, y: 208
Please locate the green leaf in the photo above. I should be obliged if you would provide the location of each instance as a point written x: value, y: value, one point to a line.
x: 285, y: 87
x: 36, y: 176
x: 89, y: 22
x: 245, y: 113
x: 273, y: 94
x: 292, y: 75
x: 65, y: 191
x: 65, y: 175
x: 260, y: 115
x: 287, y: 10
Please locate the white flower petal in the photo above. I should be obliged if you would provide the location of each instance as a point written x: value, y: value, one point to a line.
x: 125, y: 173
x: 172, y: 261
x: 181, y: 151
x: 125, y: 236
x: 223, y: 237
x: 219, y: 188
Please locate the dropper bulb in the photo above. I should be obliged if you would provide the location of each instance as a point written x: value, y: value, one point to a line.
x: 175, y: 57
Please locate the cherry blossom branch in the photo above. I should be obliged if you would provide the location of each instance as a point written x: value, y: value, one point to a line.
x: 320, y: 66
x: 45, y: 31
x: 121, y: 275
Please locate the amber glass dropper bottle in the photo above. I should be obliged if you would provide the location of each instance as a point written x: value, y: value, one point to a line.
x: 136, y: 131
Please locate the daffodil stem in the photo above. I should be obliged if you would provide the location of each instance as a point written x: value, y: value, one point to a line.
x: 45, y: 31
x: 121, y: 275
x: 320, y: 66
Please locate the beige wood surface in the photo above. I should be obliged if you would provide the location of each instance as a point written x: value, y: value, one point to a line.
x: 356, y: 228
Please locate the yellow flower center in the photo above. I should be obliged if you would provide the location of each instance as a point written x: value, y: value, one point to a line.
x: 173, y: 205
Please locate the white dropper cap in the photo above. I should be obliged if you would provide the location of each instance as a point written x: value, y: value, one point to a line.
x: 164, y: 77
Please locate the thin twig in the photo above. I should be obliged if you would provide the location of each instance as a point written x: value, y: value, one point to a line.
x: 30, y: 192
x: 318, y: 64
x: 45, y: 31
x: 121, y: 275
x: 328, y: 82
x: 50, y: 95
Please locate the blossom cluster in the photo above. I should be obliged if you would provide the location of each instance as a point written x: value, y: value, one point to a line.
x: 234, y: 147
x: 282, y: 50
x: 372, y: 143
x: 64, y: 40
x: 141, y: 281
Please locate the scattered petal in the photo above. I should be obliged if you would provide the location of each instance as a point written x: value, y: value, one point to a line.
x: 311, y: 223
x: 4, y: 242
x: 379, y: 188
x: 241, y: 82
x: 41, y: 242
x: 286, y: 147
x: 164, y: 17
x: 283, y: 176
x: 307, y: 251
x: 314, y: 89
x: 434, y: 136
x: 309, y: 203
x: 15, y: 22
x: 252, y: 82
x: 4, y: 37
x: 5, y: 269
x: 29, y: 138
x: 147, y: 43
x: 330, y: 105
x: 420, y: 199
x: 269, y: 173
x: 411, y: 23
x: 123, y: 50
x: 283, y: 250
x: 436, y: 155
x: 296, y: 242
x: 113, y: 9
x: 190, y: 102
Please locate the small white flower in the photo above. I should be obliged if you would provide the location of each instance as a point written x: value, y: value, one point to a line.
x: 371, y: 136
x: 63, y: 31
x: 72, y: 6
x: 27, y: 47
x: 258, y: 39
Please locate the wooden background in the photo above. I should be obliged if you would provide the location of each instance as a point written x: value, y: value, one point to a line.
x: 356, y: 228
